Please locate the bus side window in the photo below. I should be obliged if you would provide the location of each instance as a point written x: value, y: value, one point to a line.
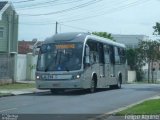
x: 94, y: 57
x: 122, y: 55
x: 101, y: 53
x: 111, y: 55
x: 106, y: 53
x: 117, y: 55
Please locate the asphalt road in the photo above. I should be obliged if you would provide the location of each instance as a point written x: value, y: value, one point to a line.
x: 78, y: 102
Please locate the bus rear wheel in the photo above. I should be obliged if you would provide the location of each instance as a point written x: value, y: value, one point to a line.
x: 119, y: 83
x: 118, y: 86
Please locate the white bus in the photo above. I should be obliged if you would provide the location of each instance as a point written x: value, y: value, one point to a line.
x: 80, y: 61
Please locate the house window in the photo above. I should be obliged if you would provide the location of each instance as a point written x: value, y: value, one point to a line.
x: 1, y: 32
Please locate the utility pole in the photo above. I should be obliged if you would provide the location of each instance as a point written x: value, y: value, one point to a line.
x: 56, y: 27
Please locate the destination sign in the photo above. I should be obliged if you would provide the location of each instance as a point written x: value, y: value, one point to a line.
x: 65, y: 46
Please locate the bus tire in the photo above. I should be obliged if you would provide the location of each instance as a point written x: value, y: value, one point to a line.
x: 93, y: 85
x: 119, y: 82
x: 55, y: 91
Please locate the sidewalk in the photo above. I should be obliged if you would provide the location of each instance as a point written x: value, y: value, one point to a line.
x: 26, y: 81
x: 22, y: 91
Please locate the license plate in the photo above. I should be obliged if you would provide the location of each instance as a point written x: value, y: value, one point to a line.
x: 56, y: 85
x: 49, y: 77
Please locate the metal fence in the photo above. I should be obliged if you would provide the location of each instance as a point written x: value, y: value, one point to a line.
x: 156, y: 76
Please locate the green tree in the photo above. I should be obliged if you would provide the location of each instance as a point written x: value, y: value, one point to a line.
x: 149, y: 52
x: 131, y: 58
x: 103, y: 34
x: 156, y: 29
x: 135, y: 61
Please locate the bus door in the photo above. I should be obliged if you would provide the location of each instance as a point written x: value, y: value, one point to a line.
x: 107, y: 63
x: 112, y: 61
x: 101, y: 61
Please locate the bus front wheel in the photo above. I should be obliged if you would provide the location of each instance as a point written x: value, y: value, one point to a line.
x: 54, y: 91
x: 93, y: 86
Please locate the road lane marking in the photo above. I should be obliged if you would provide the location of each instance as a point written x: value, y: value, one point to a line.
x: 8, y: 109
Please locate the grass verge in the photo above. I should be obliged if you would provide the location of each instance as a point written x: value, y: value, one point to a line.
x: 16, y: 86
x: 149, y: 107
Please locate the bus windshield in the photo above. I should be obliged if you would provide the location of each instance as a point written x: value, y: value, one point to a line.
x: 60, y: 57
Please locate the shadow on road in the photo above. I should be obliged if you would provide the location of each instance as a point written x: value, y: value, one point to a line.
x: 148, y: 89
x: 70, y: 92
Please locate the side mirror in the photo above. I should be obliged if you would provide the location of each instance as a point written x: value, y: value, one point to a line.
x: 36, y: 50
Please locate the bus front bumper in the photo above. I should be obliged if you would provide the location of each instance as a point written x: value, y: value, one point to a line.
x: 42, y: 84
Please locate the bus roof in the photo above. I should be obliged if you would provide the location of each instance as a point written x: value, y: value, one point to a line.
x: 79, y: 37
x: 106, y: 40
x: 67, y: 37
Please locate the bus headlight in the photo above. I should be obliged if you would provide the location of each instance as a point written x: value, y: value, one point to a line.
x: 78, y: 76
x: 37, y: 77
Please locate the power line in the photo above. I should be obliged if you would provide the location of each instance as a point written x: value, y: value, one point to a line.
x: 113, y: 10
x: 102, y: 7
x: 46, y: 4
x: 94, y: 11
x: 108, y: 12
x: 66, y: 10
x: 37, y: 24
x: 100, y: 14
x: 47, y: 23
x: 39, y: 3
x: 88, y: 17
x: 75, y: 27
x: 23, y: 1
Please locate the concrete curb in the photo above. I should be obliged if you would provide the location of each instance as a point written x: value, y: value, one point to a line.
x: 7, y: 95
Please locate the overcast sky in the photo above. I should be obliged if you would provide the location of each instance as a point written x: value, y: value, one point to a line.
x: 37, y: 17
